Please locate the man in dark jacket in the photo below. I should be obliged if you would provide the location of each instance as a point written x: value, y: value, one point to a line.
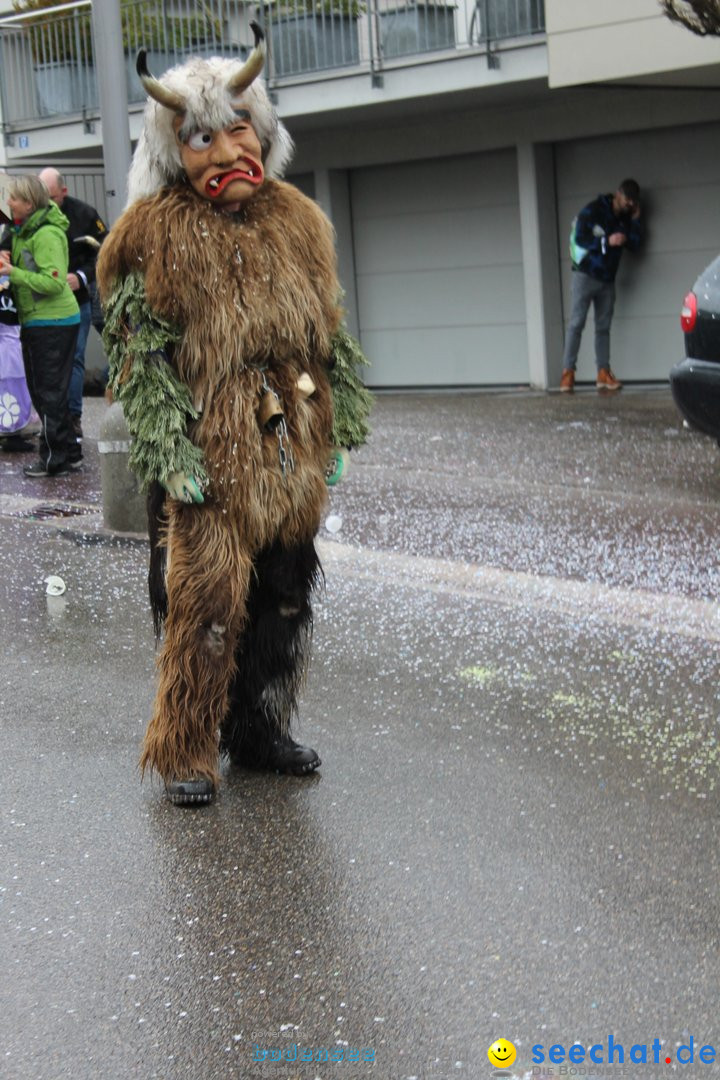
x: 86, y: 232
x: 599, y: 233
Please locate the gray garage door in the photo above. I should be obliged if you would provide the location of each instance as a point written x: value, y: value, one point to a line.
x: 679, y: 172
x: 439, y: 271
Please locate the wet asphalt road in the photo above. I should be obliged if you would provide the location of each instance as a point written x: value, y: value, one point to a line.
x: 514, y: 832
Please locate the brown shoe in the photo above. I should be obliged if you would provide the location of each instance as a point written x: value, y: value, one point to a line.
x: 606, y: 380
x: 567, y: 382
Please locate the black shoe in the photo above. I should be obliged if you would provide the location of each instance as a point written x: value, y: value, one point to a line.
x: 76, y: 465
x: 287, y: 756
x: 17, y: 444
x: 41, y: 469
x: 190, y: 792
x: 76, y: 425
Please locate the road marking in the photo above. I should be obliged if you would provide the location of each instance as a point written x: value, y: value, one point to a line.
x: 668, y: 613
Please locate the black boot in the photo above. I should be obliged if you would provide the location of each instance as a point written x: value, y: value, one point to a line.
x: 256, y: 743
x: 287, y: 756
x: 190, y: 792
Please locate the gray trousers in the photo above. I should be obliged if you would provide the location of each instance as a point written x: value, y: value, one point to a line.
x: 601, y: 294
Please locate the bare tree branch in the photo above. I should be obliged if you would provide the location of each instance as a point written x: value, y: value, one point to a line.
x: 700, y: 16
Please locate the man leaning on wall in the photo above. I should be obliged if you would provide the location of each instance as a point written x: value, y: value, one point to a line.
x: 599, y: 234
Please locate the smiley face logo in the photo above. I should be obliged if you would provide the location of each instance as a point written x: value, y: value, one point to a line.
x: 501, y: 1053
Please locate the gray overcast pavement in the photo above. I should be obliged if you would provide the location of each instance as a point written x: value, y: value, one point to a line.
x: 514, y: 832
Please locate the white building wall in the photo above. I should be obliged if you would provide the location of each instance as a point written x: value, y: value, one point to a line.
x: 612, y: 133
x: 603, y: 40
x: 439, y: 274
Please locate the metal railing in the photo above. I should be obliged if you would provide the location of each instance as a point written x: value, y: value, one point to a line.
x: 46, y: 64
x: 498, y: 20
x: 46, y: 58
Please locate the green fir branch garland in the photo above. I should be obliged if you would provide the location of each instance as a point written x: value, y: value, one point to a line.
x: 352, y: 401
x: 158, y: 407
x: 156, y: 404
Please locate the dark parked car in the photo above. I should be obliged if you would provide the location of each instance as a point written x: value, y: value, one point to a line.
x: 695, y: 381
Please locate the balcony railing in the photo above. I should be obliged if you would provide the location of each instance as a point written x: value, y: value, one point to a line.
x: 46, y: 58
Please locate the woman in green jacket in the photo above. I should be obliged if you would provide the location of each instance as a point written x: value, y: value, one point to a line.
x: 49, y: 318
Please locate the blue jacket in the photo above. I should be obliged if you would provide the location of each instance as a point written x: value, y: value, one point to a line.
x: 589, y: 249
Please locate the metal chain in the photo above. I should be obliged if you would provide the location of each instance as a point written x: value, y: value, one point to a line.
x: 285, y: 454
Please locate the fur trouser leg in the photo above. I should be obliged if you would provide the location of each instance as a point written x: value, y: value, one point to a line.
x: 207, y: 586
x: 272, y: 654
x: 157, y: 570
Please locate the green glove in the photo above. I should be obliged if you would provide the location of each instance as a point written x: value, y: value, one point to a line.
x: 337, y: 465
x: 183, y: 488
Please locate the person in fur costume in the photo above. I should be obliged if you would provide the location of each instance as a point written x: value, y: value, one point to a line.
x: 223, y: 329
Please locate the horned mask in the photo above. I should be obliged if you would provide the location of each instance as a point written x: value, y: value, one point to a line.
x: 205, y: 93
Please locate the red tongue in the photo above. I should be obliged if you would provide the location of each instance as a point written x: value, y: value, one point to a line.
x: 227, y: 178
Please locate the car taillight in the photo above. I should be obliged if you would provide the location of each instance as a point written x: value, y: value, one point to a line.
x: 688, y: 315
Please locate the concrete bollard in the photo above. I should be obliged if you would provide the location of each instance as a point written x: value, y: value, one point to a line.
x: 123, y: 503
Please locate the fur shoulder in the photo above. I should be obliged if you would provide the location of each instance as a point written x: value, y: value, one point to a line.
x: 304, y: 218
x: 290, y: 200
x: 124, y: 246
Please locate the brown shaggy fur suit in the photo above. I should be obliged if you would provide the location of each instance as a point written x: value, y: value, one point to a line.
x: 256, y: 296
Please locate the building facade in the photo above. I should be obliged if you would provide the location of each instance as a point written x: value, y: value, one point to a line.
x: 452, y: 145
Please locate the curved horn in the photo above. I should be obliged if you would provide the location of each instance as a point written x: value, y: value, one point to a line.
x: 252, y: 66
x: 155, y: 88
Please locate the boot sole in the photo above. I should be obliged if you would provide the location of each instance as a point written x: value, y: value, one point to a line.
x: 190, y: 792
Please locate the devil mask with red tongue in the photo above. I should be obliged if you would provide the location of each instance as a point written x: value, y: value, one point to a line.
x: 210, y: 122
x: 223, y: 166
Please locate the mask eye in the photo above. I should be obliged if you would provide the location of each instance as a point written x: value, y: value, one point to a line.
x: 200, y: 140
